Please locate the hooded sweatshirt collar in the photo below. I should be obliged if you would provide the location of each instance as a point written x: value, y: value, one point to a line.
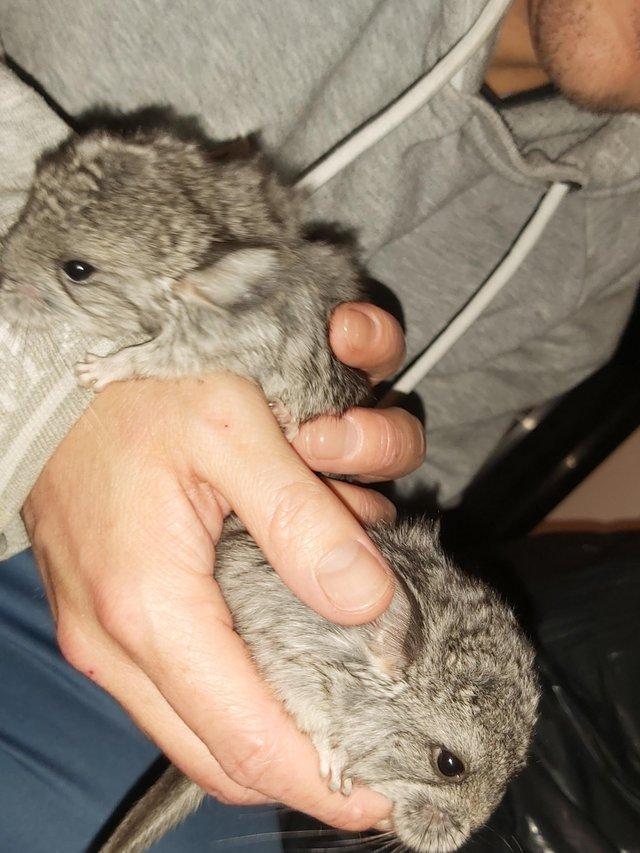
x: 536, y: 143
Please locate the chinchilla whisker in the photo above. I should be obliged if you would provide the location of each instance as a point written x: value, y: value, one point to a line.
x: 508, y: 843
x: 426, y: 830
x: 332, y: 848
x: 504, y: 839
x: 388, y: 846
x: 352, y: 844
x: 293, y: 833
x: 271, y: 836
x: 338, y: 844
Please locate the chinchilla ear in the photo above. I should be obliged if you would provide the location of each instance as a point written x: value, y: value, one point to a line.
x: 396, y: 635
x: 229, y: 280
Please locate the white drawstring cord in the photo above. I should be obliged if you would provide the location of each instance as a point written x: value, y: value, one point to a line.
x: 372, y: 132
x: 519, y: 250
x: 421, y: 91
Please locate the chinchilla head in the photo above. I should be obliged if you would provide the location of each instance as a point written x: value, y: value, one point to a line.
x: 112, y: 223
x: 449, y: 697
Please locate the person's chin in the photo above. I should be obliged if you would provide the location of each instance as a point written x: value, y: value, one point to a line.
x: 605, y: 99
x: 590, y: 55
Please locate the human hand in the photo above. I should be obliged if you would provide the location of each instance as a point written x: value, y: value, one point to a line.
x: 370, y: 444
x: 124, y: 521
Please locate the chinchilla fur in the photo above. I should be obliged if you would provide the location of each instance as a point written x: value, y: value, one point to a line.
x: 205, y: 264
x: 202, y: 260
x: 445, y: 669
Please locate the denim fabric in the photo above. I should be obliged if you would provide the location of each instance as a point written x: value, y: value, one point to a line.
x: 69, y: 754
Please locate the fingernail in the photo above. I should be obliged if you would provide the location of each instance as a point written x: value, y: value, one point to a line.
x: 359, y: 328
x: 352, y: 578
x: 332, y: 439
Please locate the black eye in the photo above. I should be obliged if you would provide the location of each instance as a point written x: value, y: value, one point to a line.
x: 78, y: 270
x: 449, y: 765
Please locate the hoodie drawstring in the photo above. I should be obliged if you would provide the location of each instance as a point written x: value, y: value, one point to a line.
x: 390, y: 118
x: 488, y: 290
x: 415, y: 97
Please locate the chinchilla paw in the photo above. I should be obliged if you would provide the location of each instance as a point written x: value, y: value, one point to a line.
x: 97, y: 371
x: 333, y: 761
x: 288, y: 424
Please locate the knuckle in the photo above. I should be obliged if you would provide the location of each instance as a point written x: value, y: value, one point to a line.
x: 390, y: 444
x: 119, y: 615
x: 246, y: 798
x: 225, y: 792
x: 72, y: 643
x: 236, y: 796
x: 348, y: 815
x: 296, y: 508
x: 219, y: 794
x: 352, y: 819
x: 252, y: 762
x: 407, y: 438
x: 394, y: 445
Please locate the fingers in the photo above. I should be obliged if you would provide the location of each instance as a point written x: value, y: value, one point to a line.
x: 369, y: 507
x: 229, y: 708
x: 373, y: 444
x: 307, y: 534
x: 367, y: 337
x: 109, y: 667
x: 134, y: 552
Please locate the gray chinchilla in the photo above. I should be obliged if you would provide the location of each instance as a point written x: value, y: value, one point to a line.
x: 202, y: 259
x: 205, y: 262
x: 433, y: 704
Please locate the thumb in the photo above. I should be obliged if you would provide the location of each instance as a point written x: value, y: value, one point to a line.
x: 309, y: 537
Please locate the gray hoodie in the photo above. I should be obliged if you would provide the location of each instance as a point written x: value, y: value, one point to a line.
x: 436, y: 203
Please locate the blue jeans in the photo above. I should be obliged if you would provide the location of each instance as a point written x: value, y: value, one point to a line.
x: 69, y: 754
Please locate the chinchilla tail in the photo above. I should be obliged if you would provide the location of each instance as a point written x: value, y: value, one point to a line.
x: 165, y: 804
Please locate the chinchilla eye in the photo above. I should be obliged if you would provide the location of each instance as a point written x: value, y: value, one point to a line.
x: 78, y: 270
x: 449, y: 765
